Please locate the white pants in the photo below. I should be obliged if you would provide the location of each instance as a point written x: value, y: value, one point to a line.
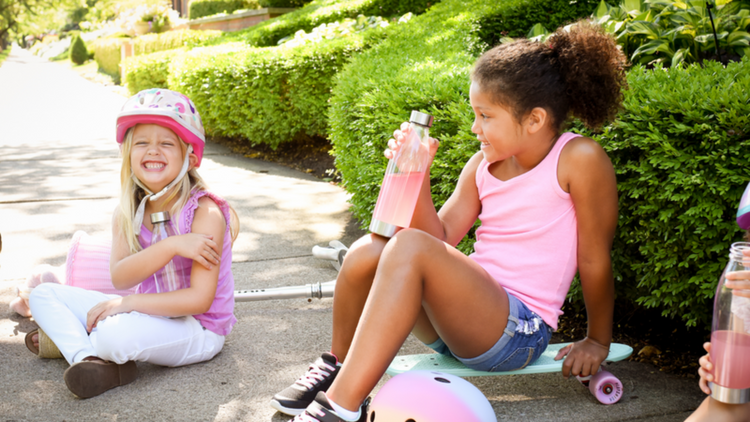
x: 61, y: 312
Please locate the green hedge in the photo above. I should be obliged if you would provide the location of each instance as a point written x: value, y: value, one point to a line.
x: 283, y: 3
x: 107, y: 55
x: 317, y: 12
x: 201, y: 8
x: 265, y: 95
x: 151, y: 43
x: 516, y: 18
x: 149, y: 70
x: 681, y: 150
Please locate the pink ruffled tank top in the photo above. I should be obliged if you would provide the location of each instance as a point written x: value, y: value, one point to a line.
x: 220, y: 317
x: 528, y: 238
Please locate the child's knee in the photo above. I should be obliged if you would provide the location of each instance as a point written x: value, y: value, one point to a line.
x: 42, y: 293
x: 112, y: 341
x: 365, y: 252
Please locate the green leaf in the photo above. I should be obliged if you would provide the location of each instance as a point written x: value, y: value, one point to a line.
x: 632, y: 7
x: 602, y: 10
x: 679, y: 57
x: 651, y: 47
x: 537, y: 30
x: 650, y: 29
x: 738, y: 38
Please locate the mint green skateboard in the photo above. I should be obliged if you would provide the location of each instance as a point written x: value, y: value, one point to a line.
x: 603, y: 385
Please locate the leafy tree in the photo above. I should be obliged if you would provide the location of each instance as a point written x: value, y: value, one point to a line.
x: 32, y: 17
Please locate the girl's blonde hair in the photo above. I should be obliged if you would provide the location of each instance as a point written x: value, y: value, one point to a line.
x: 131, y: 196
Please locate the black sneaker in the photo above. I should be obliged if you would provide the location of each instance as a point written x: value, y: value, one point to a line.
x: 320, y: 411
x: 319, y: 376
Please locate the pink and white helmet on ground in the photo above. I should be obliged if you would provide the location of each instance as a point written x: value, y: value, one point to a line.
x: 427, y: 396
x: 165, y: 108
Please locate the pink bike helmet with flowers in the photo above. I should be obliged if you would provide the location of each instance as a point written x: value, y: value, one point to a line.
x: 165, y: 108
x: 427, y: 396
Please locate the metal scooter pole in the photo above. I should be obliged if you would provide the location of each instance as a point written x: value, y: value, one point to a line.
x: 308, y: 291
x: 335, y: 253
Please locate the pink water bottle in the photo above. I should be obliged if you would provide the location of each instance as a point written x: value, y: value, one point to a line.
x: 730, y: 335
x: 403, y: 178
x: 170, y: 277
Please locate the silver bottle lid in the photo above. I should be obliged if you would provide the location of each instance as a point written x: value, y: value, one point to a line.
x: 420, y: 118
x: 159, y: 217
x: 382, y: 228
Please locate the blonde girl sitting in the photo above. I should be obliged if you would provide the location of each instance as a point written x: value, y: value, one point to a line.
x: 102, y: 336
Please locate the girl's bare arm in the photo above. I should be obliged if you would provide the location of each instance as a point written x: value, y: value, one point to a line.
x: 129, y: 270
x: 193, y: 300
x: 587, y: 174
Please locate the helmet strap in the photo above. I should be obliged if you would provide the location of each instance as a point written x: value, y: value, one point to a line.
x: 138, y: 218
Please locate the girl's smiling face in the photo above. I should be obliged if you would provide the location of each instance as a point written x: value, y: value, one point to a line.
x: 496, y: 128
x: 156, y: 155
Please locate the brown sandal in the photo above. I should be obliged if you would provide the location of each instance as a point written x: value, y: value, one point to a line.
x: 47, y: 348
x: 93, y: 376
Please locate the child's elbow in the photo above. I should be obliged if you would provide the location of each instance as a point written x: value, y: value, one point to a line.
x: 204, y: 304
x: 204, y: 308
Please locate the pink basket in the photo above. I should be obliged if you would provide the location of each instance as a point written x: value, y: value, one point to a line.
x: 87, y: 265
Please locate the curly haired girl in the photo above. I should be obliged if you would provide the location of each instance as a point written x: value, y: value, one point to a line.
x: 547, y: 202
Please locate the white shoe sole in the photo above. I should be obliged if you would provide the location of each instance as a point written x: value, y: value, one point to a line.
x: 285, y: 410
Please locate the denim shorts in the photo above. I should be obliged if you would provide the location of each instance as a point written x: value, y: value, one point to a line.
x: 525, y: 338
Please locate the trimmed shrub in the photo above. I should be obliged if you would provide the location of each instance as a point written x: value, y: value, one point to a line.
x: 517, y: 18
x: 681, y: 150
x: 317, y: 12
x: 283, y: 3
x: 202, y: 8
x: 149, y: 70
x: 107, y: 55
x: 78, y: 52
x: 151, y: 43
x: 266, y: 95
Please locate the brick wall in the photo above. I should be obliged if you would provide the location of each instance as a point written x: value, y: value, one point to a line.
x: 237, y: 21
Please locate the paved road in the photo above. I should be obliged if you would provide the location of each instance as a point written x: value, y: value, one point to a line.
x: 59, y: 170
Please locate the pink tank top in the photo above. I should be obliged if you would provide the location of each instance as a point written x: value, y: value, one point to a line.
x: 220, y: 317
x: 528, y: 238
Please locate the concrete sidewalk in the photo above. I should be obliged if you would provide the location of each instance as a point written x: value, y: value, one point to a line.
x: 59, y: 172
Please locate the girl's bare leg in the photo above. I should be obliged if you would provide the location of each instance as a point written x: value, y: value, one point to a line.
x: 466, y: 307
x: 715, y: 411
x: 353, y: 285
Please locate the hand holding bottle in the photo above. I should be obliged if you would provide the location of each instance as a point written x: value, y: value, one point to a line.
x: 410, y: 156
x: 400, y: 136
x: 705, y: 370
x: 739, y: 281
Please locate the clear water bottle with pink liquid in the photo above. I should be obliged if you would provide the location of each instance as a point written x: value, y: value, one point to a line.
x: 403, y: 178
x: 730, y: 335
x: 170, y: 277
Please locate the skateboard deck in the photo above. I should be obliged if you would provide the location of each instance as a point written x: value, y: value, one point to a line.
x: 546, y: 362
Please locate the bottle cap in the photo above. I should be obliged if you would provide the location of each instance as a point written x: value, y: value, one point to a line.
x: 159, y: 217
x: 420, y: 118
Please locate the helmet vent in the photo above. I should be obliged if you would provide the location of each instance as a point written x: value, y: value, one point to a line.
x: 372, y: 416
x: 443, y: 380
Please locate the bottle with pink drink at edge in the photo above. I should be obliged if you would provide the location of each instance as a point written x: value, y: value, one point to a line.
x: 730, y: 340
x: 403, y: 178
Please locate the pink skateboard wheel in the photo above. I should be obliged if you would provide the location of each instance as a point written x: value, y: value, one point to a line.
x: 605, y: 387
